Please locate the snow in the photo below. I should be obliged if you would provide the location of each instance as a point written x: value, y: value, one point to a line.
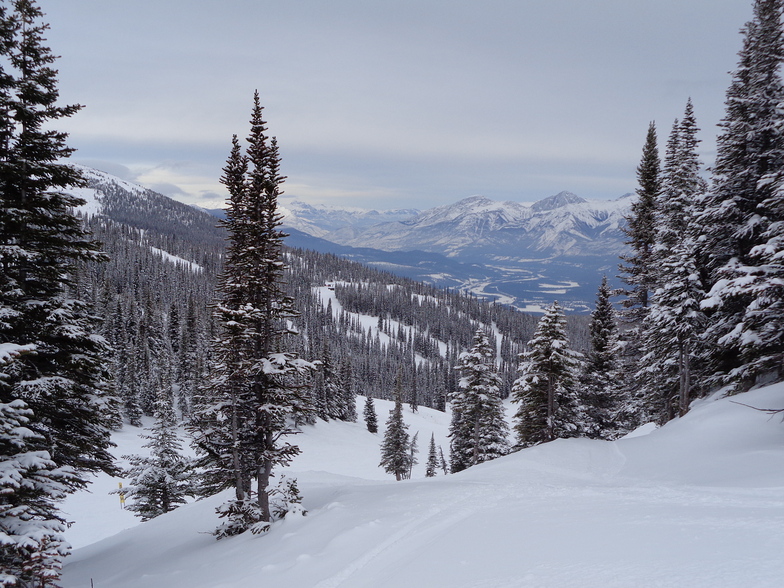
x: 367, y: 322
x: 698, y: 502
x: 92, y: 201
x: 10, y: 351
x: 176, y: 260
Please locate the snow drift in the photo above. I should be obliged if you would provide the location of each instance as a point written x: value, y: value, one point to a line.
x: 699, y: 502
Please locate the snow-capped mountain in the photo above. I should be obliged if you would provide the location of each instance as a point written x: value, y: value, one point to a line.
x: 485, y: 230
x: 524, y: 255
x: 344, y: 223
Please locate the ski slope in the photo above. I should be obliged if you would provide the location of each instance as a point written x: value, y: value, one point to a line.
x: 697, y: 503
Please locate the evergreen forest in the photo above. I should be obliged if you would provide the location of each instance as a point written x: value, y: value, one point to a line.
x: 147, y: 310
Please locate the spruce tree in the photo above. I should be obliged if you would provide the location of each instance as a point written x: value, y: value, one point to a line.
x: 545, y: 389
x: 257, y: 385
x: 478, y: 430
x: 348, y: 395
x: 442, y: 460
x: 599, y: 392
x: 31, y: 527
x: 638, y: 272
x: 59, y: 393
x: 413, y: 449
x: 741, y: 217
x: 432, y: 458
x: 369, y: 412
x: 672, y: 329
x: 395, y: 447
x: 641, y: 230
x: 671, y: 335
x: 160, y: 482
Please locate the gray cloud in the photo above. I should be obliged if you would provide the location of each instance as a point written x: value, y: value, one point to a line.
x: 421, y: 102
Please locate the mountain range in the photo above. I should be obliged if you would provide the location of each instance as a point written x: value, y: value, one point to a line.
x: 524, y: 255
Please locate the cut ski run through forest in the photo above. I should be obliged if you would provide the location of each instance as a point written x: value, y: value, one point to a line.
x: 697, y: 502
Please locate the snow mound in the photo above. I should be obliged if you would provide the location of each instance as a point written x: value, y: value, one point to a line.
x: 698, y: 503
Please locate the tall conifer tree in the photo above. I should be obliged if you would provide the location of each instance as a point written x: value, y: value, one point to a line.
x: 257, y: 383
x: 59, y: 393
x: 671, y: 330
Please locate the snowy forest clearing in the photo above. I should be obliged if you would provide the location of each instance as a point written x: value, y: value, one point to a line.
x: 698, y: 502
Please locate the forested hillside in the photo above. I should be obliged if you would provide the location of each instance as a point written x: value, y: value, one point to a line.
x: 368, y: 327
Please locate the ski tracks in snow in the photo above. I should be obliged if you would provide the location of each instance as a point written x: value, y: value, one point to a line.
x: 414, y: 534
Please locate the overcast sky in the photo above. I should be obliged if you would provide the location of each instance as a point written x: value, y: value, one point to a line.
x: 392, y: 103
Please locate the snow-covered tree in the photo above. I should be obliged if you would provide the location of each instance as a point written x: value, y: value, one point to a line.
x: 369, y: 412
x: 478, y: 430
x: 742, y: 213
x: 348, y: 394
x: 671, y: 331
x: 395, y: 448
x: 162, y: 481
x: 432, y: 458
x: 257, y: 385
x: 638, y: 271
x: 641, y: 230
x: 59, y: 395
x: 599, y: 390
x: 545, y: 389
x: 671, y: 334
x: 31, y: 529
x: 413, y: 449
x: 330, y: 389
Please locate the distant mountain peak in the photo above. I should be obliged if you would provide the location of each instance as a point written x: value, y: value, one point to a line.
x: 552, y: 202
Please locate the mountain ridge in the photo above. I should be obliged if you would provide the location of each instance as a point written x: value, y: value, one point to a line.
x: 504, y: 251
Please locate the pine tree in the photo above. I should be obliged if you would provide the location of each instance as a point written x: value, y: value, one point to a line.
x: 478, y: 430
x: 442, y: 460
x: 600, y: 394
x: 432, y: 458
x: 60, y: 394
x: 348, y: 395
x: 160, y: 482
x: 671, y: 331
x: 257, y: 383
x: 395, y: 448
x: 369, y: 412
x: 413, y: 449
x: 742, y: 214
x: 544, y: 390
x: 413, y: 395
x: 330, y: 391
x: 638, y: 272
x: 641, y: 230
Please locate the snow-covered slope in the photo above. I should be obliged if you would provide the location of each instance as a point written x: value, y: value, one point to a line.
x: 697, y: 503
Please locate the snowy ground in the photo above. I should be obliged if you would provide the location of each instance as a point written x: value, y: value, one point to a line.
x: 697, y: 503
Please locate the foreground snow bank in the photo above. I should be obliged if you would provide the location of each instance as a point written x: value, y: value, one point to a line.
x: 699, y: 502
